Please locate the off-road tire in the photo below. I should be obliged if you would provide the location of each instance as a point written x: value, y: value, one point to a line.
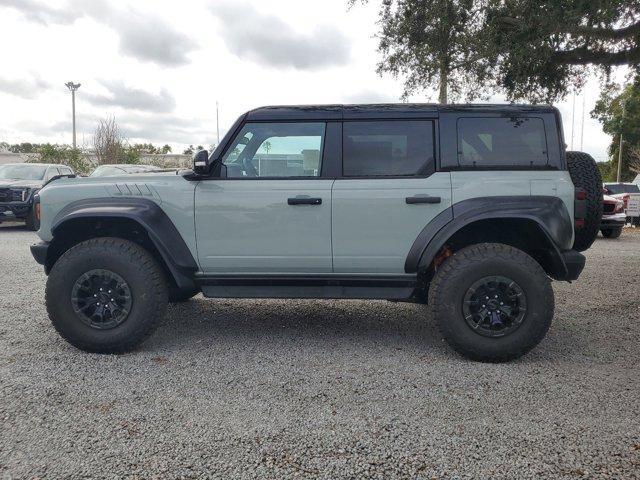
x: 31, y: 222
x: 136, y: 266
x: 461, y: 270
x: 611, y: 232
x: 585, y: 174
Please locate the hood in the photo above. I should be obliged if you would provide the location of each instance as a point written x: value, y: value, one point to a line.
x: 21, y: 183
x: 609, y: 199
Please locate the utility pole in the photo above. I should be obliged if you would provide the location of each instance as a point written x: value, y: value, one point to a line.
x: 624, y: 104
x: 573, y: 119
x: 73, y: 87
x: 582, y: 127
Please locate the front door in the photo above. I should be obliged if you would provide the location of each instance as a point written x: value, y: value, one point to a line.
x: 387, y: 193
x: 272, y: 212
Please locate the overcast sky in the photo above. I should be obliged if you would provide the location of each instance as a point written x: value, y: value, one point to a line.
x: 159, y: 67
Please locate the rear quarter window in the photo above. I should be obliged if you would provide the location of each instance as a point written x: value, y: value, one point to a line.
x: 502, y: 142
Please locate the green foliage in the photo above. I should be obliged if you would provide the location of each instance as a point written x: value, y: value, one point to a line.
x: 434, y: 42
x: 545, y: 47
x: 537, y: 50
x: 618, y: 109
x: 62, y: 154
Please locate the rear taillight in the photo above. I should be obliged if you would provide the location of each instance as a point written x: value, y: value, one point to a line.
x: 579, y: 207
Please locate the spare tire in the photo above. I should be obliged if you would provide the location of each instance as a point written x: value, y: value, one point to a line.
x: 585, y: 175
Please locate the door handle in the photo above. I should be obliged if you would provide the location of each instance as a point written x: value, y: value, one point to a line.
x: 304, y: 201
x: 422, y: 199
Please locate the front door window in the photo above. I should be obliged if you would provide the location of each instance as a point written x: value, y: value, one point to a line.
x: 276, y: 150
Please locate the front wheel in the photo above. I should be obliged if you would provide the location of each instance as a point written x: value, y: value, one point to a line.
x: 106, y: 295
x: 492, y: 302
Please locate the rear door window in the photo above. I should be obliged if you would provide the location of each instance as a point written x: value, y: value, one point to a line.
x: 388, y: 148
x: 502, y: 142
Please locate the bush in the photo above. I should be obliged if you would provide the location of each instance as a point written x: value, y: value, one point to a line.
x: 65, y: 155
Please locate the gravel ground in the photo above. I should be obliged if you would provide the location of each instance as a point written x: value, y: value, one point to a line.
x: 342, y: 389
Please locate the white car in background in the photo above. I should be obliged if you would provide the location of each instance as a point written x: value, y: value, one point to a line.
x: 629, y: 193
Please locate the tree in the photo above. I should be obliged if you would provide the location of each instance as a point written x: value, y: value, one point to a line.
x: 618, y: 109
x: 266, y: 146
x: 434, y: 42
x: 165, y: 149
x: 545, y: 48
x: 62, y: 154
x: 536, y: 50
x: 188, y: 151
x: 108, y: 142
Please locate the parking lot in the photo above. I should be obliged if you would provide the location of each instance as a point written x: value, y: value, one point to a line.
x: 342, y: 389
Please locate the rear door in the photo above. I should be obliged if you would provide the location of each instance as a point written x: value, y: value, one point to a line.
x: 272, y: 212
x: 387, y: 192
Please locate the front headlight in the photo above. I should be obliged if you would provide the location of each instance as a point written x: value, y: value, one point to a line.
x: 619, y: 207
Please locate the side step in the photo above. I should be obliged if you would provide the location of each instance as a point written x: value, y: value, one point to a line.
x: 388, y: 287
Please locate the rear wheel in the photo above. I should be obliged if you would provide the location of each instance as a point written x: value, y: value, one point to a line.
x: 611, y: 232
x: 585, y: 175
x: 106, y: 295
x: 492, y: 302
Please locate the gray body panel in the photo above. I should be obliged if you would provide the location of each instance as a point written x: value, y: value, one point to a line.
x: 248, y: 226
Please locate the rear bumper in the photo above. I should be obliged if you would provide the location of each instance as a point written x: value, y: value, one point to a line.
x: 614, y: 220
x: 574, y: 263
x: 39, y: 252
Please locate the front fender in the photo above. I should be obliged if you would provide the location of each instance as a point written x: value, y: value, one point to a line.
x: 160, y: 229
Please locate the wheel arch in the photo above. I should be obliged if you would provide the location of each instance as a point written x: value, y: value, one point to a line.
x: 138, y: 220
x: 540, y: 226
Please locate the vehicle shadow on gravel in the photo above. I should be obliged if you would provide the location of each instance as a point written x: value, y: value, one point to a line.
x: 383, y: 325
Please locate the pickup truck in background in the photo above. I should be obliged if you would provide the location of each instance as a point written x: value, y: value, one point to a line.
x: 629, y: 193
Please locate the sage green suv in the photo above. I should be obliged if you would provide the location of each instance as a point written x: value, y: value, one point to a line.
x: 471, y: 209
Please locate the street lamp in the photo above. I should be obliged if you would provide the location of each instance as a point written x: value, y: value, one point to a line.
x: 73, y: 87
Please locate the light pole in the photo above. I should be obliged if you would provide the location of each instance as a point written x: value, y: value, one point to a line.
x: 619, y: 173
x: 73, y: 87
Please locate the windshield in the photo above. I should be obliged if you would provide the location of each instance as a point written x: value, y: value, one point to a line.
x: 107, y: 172
x: 617, y: 188
x: 22, y: 172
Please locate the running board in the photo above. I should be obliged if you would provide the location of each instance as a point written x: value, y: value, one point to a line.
x: 387, y: 287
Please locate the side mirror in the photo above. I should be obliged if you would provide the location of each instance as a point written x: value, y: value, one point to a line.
x: 201, y: 162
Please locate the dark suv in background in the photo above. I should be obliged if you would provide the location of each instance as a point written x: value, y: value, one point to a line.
x: 19, y: 182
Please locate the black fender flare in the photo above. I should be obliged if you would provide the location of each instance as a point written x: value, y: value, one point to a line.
x: 161, y: 231
x: 549, y: 213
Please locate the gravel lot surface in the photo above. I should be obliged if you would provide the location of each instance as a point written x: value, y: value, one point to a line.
x: 343, y: 389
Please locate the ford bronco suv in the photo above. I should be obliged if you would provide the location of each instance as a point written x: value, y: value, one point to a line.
x: 19, y: 182
x: 471, y: 209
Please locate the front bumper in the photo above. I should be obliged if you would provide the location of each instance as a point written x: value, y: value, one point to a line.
x: 11, y: 210
x: 613, y: 221
x: 40, y: 251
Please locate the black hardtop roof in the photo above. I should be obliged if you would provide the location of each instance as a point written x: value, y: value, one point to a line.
x: 384, y: 110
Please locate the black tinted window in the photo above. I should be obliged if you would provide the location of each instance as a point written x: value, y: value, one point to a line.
x: 617, y: 188
x: 501, y: 142
x: 388, y: 148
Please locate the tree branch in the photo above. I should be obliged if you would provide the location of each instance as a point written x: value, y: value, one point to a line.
x: 594, y: 32
x: 584, y: 56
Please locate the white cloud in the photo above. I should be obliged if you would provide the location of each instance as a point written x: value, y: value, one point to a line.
x: 270, y: 41
x: 160, y: 67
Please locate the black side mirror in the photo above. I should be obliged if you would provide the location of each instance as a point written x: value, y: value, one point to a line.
x: 201, y: 162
